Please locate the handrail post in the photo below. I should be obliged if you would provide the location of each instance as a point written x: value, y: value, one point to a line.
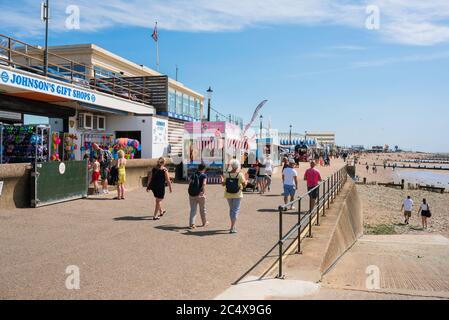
x: 324, y: 198
x: 9, y: 50
x: 299, y: 227
x: 310, y: 217
x: 328, y: 190
x: 317, y: 205
x: 280, y: 275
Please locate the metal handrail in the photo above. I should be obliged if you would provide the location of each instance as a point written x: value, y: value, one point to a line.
x: 334, y: 184
x: 126, y: 89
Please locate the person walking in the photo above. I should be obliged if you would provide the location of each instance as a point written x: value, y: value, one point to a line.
x: 234, y: 182
x: 157, y: 179
x: 95, y: 174
x: 121, y: 164
x: 407, y: 206
x: 261, y: 176
x: 197, y: 195
x: 285, y: 163
x: 105, y: 157
x: 290, y: 182
x: 269, y: 172
x: 313, y: 178
x: 424, y: 210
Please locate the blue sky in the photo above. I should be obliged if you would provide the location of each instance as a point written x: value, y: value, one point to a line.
x: 315, y: 61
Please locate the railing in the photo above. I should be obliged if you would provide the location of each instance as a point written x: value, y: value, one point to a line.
x: 326, y: 191
x: 26, y: 57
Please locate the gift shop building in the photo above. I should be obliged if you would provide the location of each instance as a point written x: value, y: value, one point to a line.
x: 91, y: 95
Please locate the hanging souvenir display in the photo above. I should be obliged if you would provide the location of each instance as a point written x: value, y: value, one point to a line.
x: 70, y: 146
x: 129, y: 146
x: 56, y: 141
x: 26, y: 143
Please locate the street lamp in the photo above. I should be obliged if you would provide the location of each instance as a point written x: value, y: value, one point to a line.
x: 45, y: 17
x: 261, y: 119
x: 209, y: 96
x: 290, y: 141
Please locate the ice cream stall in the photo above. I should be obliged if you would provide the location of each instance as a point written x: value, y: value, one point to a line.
x: 214, y: 144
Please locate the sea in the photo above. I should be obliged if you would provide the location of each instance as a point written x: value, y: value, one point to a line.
x: 423, y: 177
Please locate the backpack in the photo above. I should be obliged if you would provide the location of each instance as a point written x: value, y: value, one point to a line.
x: 195, y: 186
x: 232, y: 184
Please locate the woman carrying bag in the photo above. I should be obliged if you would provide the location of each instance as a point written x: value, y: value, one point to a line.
x: 424, y: 209
x: 234, y: 182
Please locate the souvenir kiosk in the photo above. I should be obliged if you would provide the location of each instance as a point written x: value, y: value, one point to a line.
x: 214, y: 144
x: 269, y: 146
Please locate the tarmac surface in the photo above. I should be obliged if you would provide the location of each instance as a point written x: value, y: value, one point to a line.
x: 122, y: 253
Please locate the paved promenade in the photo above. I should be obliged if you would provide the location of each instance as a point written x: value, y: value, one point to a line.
x: 123, y: 254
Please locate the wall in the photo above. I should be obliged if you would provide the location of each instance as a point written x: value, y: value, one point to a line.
x: 16, y: 179
x: 16, y: 185
x: 348, y: 227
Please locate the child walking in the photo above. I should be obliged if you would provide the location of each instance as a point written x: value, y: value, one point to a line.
x: 95, y: 174
x: 121, y: 164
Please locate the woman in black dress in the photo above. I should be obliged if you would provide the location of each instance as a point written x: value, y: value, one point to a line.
x: 157, y: 179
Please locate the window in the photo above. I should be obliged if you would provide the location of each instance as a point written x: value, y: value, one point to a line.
x: 172, y: 101
x: 192, y: 107
x: 185, y: 104
x: 178, y: 102
x: 104, y: 73
x: 88, y: 121
x: 101, y: 123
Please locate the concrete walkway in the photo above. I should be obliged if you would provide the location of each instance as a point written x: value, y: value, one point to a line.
x: 123, y: 254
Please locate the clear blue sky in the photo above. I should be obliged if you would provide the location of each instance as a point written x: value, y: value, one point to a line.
x: 315, y: 61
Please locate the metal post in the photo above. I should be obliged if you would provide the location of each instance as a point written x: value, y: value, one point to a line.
x: 310, y: 220
x: 47, y: 17
x: 318, y: 207
x: 280, y: 275
x: 324, y: 198
x: 299, y: 227
x: 327, y: 195
x: 208, y: 109
x: 9, y: 51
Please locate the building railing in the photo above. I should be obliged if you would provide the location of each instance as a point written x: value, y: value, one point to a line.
x: 327, y: 191
x: 26, y: 57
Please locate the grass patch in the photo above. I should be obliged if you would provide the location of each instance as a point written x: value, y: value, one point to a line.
x: 380, y: 229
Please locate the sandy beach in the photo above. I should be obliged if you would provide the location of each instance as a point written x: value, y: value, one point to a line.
x: 381, y: 210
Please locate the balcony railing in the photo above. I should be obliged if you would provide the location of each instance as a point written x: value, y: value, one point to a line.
x: 26, y: 57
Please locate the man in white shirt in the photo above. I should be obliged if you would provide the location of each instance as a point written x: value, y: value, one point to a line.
x: 290, y: 181
x: 407, y: 205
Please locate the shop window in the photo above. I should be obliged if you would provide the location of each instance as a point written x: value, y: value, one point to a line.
x: 101, y: 123
x: 85, y: 121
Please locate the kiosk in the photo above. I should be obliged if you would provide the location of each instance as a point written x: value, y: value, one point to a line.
x: 214, y: 144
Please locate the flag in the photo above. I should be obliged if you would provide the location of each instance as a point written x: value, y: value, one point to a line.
x: 256, y: 112
x: 155, y: 34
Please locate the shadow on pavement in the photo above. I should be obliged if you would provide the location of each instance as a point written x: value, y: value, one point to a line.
x: 130, y: 218
x: 171, y: 228
x: 206, y: 233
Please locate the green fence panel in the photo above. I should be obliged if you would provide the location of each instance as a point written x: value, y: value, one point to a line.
x: 54, y: 182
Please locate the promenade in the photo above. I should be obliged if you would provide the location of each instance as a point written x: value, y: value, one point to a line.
x: 123, y: 254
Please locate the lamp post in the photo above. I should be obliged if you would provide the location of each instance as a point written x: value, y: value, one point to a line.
x: 46, y: 17
x: 209, y: 96
x: 290, y: 140
x: 260, y: 144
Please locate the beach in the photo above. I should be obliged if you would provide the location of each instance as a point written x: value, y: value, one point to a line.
x: 381, y: 210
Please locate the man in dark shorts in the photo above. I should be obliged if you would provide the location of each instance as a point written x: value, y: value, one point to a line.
x: 313, y: 178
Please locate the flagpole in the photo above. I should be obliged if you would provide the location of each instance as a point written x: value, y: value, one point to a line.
x: 157, y: 49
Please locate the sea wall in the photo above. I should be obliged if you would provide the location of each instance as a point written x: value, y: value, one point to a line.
x: 347, y: 228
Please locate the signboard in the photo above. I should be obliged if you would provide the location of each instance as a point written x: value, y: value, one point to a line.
x: 160, y: 132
